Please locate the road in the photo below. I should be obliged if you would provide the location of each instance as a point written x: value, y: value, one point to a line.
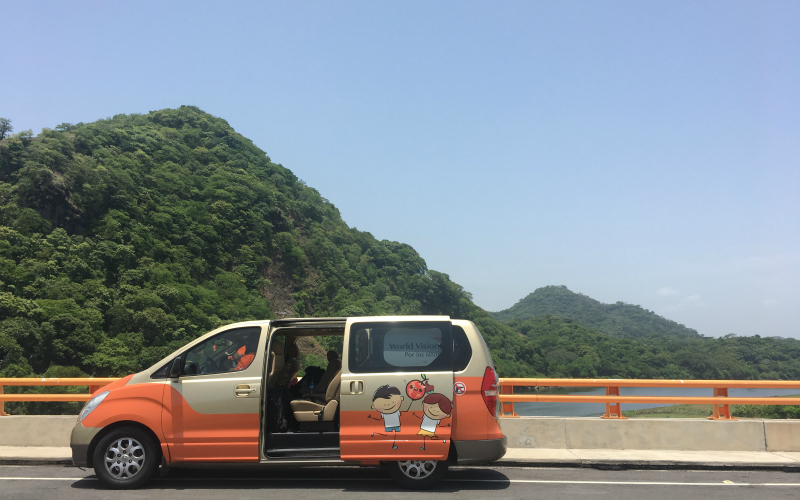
x: 43, y: 482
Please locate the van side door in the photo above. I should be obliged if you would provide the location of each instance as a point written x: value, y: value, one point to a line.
x: 397, y: 389
x: 211, y: 411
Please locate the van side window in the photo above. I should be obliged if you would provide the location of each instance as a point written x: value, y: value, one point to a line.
x: 229, y: 351
x: 395, y: 347
x: 162, y: 372
x: 462, y: 351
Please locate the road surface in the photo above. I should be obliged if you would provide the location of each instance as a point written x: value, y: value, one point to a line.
x: 352, y: 483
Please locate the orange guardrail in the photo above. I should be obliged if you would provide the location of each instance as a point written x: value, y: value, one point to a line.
x: 719, y: 399
x: 93, y: 384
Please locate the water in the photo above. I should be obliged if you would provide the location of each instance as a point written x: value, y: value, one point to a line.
x: 597, y: 409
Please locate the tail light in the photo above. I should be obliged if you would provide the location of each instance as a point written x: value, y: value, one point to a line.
x: 489, y: 390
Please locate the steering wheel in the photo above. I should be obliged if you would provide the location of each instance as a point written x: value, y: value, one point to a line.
x: 209, y: 366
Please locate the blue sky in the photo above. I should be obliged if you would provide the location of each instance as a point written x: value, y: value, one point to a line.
x: 634, y: 151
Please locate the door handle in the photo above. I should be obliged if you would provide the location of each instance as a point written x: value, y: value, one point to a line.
x: 244, y: 390
x: 357, y: 387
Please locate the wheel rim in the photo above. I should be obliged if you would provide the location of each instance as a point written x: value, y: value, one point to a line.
x: 124, y: 458
x: 417, y: 469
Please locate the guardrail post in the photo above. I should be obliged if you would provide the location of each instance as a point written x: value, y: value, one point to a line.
x: 93, y: 388
x: 508, y: 408
x: 2, y: 405
x: 721, y: 412
x: 613, y: 410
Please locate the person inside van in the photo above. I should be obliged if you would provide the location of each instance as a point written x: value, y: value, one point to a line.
x: 242, y: 358
x: 318, y: 385
x: 313, y: 374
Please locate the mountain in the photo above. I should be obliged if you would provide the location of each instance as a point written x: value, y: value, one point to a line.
x: 125, y: 238
x: 122, y: 239
x: 619, y: 319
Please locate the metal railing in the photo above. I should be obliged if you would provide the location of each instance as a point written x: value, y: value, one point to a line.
x: 93, y: 384
x: 719, y: 399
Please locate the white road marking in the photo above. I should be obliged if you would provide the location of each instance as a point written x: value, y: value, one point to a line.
x: 617, y: 483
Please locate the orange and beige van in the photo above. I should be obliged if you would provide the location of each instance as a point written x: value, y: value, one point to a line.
x: 412, y: 393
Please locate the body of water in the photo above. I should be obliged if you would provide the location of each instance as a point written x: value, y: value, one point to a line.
x: 597, y: 409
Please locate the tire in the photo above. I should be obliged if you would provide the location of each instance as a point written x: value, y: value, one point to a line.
x: 417, y: 474
x: 125, y: 458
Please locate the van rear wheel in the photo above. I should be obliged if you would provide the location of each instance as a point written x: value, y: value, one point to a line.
x: 125, y: 458
x: 418, y: 474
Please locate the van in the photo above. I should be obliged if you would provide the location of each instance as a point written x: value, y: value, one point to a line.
x: 410, y: 393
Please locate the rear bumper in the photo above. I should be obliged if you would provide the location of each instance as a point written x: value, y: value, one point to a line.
x: 80, y: 440
x: 480, y: 451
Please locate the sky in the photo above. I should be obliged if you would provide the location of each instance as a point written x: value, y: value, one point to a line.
x: 643, y: 152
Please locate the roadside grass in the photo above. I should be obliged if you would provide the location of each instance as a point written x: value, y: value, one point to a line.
x: 702, y: 411
x: 674, y: 411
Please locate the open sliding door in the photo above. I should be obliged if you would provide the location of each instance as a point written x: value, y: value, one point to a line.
x: 397, y: 389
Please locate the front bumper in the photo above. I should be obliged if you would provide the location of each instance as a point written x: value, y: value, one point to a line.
x: 480, y: 451
x: 80, y: 441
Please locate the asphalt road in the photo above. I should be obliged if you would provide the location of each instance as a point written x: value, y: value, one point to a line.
x: 47, y: 482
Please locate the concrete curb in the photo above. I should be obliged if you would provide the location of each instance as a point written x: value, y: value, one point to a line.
x: 646, y: 464
x: 651, y: 459
x: 582, y: 433
x: 34, y: 461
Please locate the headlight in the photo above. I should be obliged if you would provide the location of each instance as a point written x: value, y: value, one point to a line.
x: 91, y: 405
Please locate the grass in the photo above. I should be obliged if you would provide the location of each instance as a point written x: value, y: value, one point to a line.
x: 674, y: 411
x: 702, y: 411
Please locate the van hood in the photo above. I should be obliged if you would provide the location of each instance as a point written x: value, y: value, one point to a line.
x: 113, y: 385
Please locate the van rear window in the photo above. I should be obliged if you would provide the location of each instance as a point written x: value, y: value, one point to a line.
x: 462, y: 351
x: 393, y: 347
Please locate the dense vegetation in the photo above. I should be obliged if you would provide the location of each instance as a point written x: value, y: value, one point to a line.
x: 619, y: 319
x: 560, y: 347
x: 122, y: 239
x: 572, y: 335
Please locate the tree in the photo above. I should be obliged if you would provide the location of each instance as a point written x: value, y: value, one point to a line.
x: 5, y: 127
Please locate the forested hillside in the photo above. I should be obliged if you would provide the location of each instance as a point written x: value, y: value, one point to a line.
x: 619, y: 319
x: 561, y: 347
x: 122, y: 239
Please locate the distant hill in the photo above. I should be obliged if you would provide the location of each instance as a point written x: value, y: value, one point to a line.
x: 619, y: 319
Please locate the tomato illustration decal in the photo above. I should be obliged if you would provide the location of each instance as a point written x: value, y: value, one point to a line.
x: 416, y: 389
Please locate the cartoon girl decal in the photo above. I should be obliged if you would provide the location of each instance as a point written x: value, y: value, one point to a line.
x: 436, y: 407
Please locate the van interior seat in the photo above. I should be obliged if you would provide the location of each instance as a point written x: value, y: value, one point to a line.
x: 291, y: 364
x: 334, y: 367
x: 291, y: 349
x: 309, y: 411
x: 290, y: 370
x: 275, y: 362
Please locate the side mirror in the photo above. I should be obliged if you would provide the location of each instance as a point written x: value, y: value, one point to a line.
x: 176, y: 368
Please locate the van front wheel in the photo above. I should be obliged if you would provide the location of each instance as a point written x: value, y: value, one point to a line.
x: 125, y: 458
x: 418, y: 474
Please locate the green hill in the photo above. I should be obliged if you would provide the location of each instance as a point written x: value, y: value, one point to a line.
x: 123, y: 239
x: 560, y: 347
x: 620, y: 319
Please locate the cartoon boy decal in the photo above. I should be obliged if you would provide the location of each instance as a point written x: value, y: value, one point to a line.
x: 386, y: 401
x: 436, y: 407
